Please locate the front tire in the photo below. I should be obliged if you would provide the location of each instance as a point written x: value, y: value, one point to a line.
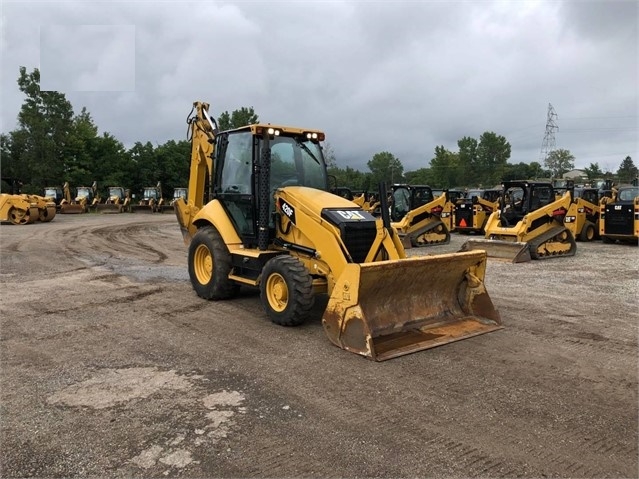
x: 286, y: 291
x: 210, y: 265
x: 587, y: 232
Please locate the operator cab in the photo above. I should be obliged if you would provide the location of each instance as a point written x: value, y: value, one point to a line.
x: 290, y: 156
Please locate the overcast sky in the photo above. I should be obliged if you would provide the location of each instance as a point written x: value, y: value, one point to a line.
x: 394, y: 76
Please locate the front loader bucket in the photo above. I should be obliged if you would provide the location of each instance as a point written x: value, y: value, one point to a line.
x: 513, y: 251
x: 386, y: 309
x: 71, y: 209
x: 109, y: 208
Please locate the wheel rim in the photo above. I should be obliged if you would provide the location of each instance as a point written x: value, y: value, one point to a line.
x: 590, y: 233
x: 18, y: 217
x: 203, y: 264
x: 277, y: 292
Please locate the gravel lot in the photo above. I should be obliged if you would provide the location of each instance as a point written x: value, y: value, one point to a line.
x: 113, y: 367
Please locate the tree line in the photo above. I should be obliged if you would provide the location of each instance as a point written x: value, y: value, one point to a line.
x: 52, y: 144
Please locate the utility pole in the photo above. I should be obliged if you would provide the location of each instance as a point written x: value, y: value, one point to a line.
x: 549, y: 144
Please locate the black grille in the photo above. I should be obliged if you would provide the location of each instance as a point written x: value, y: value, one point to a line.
x: 619, y: 219
x: 358, y: 238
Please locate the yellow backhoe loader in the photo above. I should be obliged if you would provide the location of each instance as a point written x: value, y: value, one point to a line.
x: 118, y: 200
x: 151, y: 201
x: 416, y: 215
x: 529, y: 224
x: 83, y: 200
x: 179, y: 193
x: 273, y: 225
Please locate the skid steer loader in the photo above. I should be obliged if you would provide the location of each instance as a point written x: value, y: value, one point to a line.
x: 529, y: 224
x: 272, y: 225
x: 473, y: 211
x: 619, y: 220
x: 417, y: 215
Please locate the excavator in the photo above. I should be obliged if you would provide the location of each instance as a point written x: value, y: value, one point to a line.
x: 416, y: 215
x: 272, y: 224
x: 529, y: 224
x: 473, y: 211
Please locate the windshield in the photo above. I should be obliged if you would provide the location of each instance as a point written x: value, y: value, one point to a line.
x: 628, y: 194
x: 115, y: 191
x: 179, y: 193
x: 150, y: 193
x: 472, y: 193
x: 295, y: 162
x: 51, y: 192
x: 84, y: 192
x: 400, y: 204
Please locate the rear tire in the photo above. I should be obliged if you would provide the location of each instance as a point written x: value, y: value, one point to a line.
x: 210, y: 265
x: 587, y: 232
x: 286, y: 291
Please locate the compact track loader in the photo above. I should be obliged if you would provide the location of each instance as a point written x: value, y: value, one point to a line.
x: 472, y: 212
x: 619, y: 220
x: 273, y: 225
x: 582, y: 218
x: 417, y: 215
x: 529, y: 224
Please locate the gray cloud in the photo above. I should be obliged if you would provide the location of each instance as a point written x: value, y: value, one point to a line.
x: 402, y: 77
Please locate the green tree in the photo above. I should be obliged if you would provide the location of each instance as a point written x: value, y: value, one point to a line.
x: 173, y: 163
x: 44, y: 125
x: 386, y: 168
x: 493, y: 152
x: 559, y: 162
x: 79, y: 162
x: 443, y: 168
x: 238, y: 118
x: 421, y: 176
x: 627, y: 170
x: 593, y: 172
x: 467, y: 162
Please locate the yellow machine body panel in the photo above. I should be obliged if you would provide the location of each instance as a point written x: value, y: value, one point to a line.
x: 423, y: 226
x: 18, y: 210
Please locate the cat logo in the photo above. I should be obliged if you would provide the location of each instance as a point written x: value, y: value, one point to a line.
x: 351, y: 215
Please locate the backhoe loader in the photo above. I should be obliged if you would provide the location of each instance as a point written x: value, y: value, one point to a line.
x: 529, y: 224
x: 272, y: 224
x: 83, y: 200
x: 472, y: 212
x: 118, y: 201
x: 151, y: 201
x: 416, y: 215
x: 178, y: 193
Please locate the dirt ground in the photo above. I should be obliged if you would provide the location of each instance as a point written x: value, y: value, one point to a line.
x: 113, y: 367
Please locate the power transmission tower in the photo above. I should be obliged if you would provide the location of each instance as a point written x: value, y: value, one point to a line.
x: 548, y: 144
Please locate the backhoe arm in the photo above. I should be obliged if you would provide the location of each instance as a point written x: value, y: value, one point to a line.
x: 202, y: 131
